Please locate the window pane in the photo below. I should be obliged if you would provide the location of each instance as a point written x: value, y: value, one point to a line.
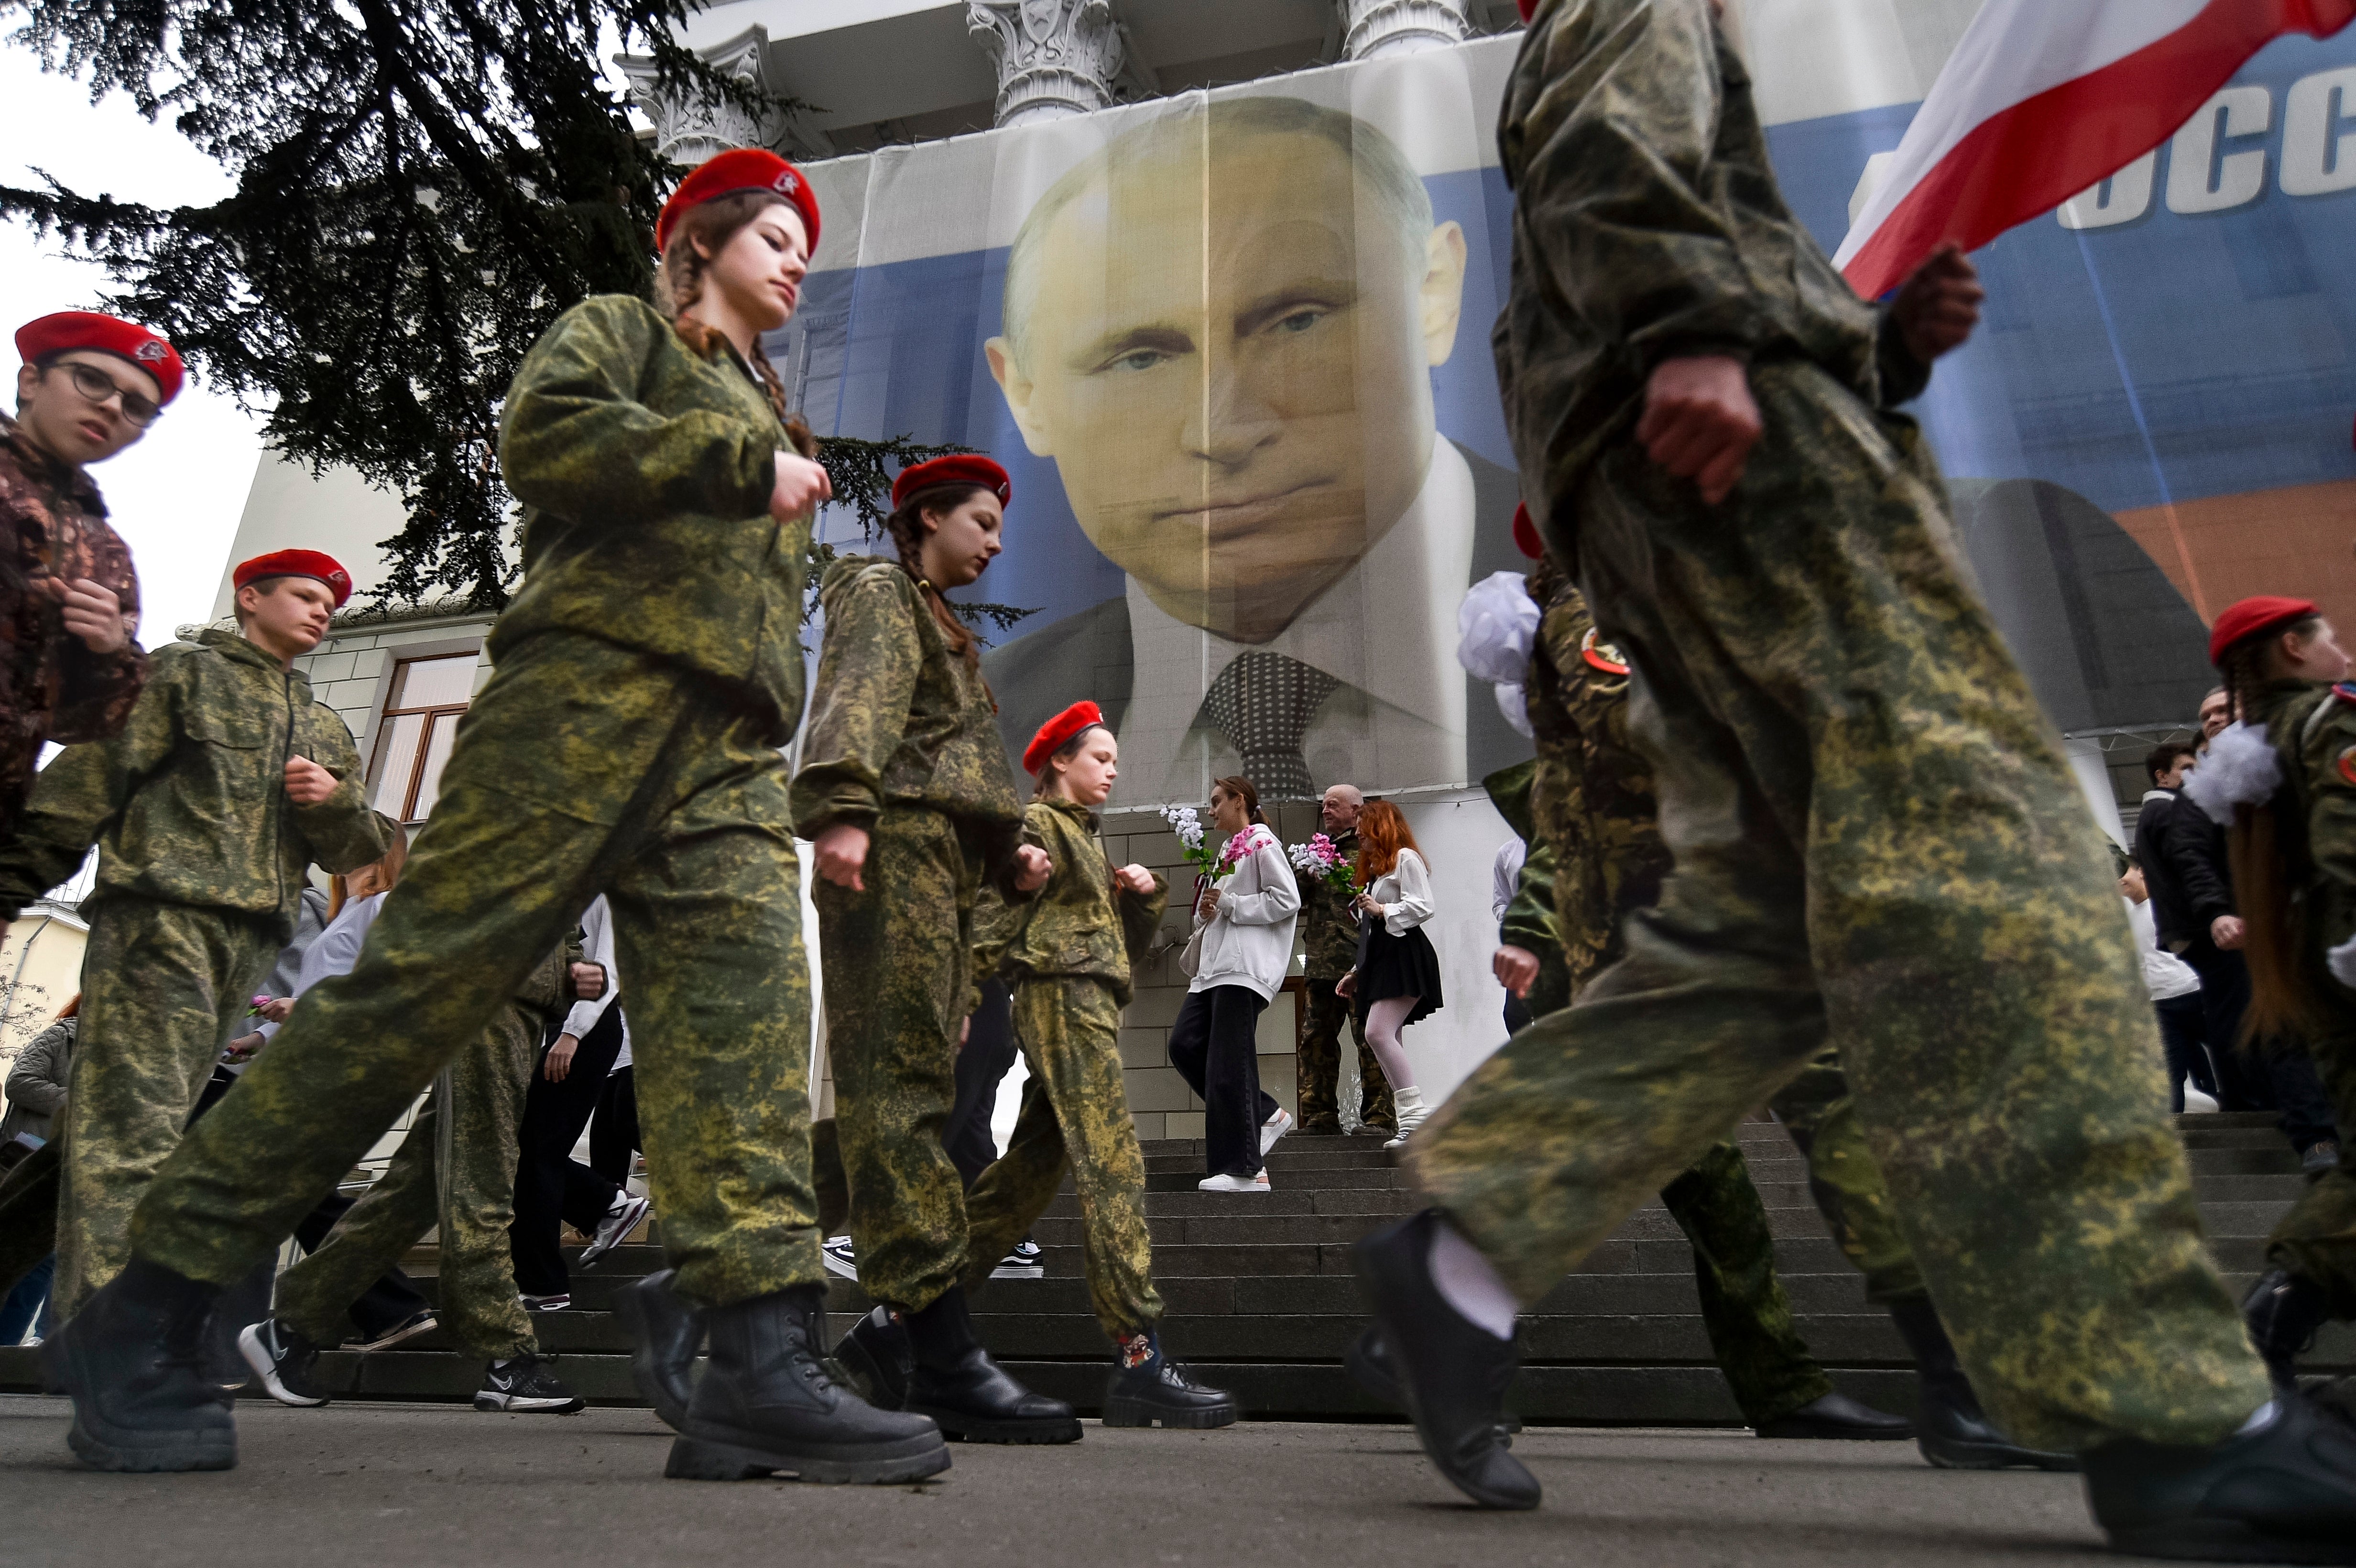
x: 437, y: 753
x: 435, y: 683
x: 396, y: 761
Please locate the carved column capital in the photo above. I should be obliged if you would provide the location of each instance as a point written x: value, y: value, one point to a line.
x: 686, y: 133
x: 1055, y: 57
x: 1372, y: 28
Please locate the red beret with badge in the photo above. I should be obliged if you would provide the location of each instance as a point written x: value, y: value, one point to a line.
x: 1071, y: 721
x: 68, y: 330
x: 311, y: 563
x: 2255, y: 617
x: 958, y: 468
x: 736, y: 172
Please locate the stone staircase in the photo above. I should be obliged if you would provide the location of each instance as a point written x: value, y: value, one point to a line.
x: 1261, y: 1299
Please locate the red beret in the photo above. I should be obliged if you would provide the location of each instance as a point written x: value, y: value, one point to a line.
x: 71, y: 329
x: 1526, y: 533
x: 958, y: 468
x: 2253, y: 617
x: 735, y: 171
x: 309, y: 563
x: 1079, y: 716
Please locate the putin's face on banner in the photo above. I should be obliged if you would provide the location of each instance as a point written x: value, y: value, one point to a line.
x: 1222, y: 335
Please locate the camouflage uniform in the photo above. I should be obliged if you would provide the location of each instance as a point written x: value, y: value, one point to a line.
x: 1329, y: 929
x: 201, y: 860
x: 1877, y: 843
x: 54, y: 687
x: 1069, y: 962
x: 456, y: 1168
x: 902, y: 742
x: 626, y: 744
x: 2314, y: 729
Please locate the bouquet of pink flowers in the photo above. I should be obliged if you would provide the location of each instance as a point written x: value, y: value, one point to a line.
x: 1319, y: 859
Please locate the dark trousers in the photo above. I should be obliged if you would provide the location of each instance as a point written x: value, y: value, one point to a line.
x: 613, y: 1136
x: 1215, y: 1047
x: 551, y: 1185
x: 2274, y: 1075
x: 28, y: 1301
x: 2183, y: 1030
x: 983, y: 1065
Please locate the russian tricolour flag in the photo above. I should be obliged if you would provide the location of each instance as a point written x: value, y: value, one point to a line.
x: 2045, y: 98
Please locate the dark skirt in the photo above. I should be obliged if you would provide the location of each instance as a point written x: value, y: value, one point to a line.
x: 1397, y: 967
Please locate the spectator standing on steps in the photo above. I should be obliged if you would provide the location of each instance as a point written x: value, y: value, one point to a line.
x: 1329, y: 932
x: 1396, y: 981
x: 2175, y: 992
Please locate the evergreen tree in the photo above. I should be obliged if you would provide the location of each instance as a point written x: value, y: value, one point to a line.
x: 422, y: 186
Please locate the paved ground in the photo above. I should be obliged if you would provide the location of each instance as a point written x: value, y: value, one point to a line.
x: 379, y: 1485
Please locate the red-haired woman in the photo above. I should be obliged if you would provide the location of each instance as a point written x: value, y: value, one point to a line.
x: 1397, y: 979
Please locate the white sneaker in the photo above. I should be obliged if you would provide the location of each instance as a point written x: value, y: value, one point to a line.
x: 1273, y: 1128
x: 1408, y: 1103
x: 836, y: 1252
x: 2197, y: 1104
x: 619, y: 1222
x: 1234, y: 1183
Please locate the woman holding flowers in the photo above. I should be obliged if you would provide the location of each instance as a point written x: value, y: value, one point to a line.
x: 1245, y: 908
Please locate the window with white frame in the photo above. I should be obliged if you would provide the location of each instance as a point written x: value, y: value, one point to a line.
x: 421, y: 718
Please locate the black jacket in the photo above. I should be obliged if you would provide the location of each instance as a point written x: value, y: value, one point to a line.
x: 2183, y: 858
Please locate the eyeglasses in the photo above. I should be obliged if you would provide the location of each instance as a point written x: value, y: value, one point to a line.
x: 101, y: 388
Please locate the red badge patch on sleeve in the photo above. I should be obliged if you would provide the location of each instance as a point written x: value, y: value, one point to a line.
x: 2345, y: 690
x: 2348, y: 765
x: 1601, y: 654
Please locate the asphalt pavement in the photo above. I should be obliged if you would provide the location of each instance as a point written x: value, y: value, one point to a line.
x: 418, y: 1486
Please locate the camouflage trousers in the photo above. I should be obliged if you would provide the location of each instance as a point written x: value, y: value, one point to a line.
x: 163, y: 988
x: 1075, y: 1114
x: 1877, y: 847
x: 1318, y: 1067
x: 456, y: 1168
x: 581, y: 768
x: 1818, y: 1112
x: 1744, y: 1308
x: 898, y: 963
x: 2317, y: 1240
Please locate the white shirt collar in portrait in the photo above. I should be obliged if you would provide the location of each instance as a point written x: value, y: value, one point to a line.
x: 1386, y: 629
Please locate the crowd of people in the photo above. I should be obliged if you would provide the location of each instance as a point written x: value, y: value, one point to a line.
x: 1796, y: 834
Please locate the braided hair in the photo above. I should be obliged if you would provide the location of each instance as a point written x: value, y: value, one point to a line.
x: 905, y: 527
x: 679, y: 284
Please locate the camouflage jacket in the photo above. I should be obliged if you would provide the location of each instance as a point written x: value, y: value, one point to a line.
x: 2314, y: 732
x: 900, y: 719
x: 1328, y: 921
x: 55, y: 688
x: 1082, y: 923
x: 645, y: 471
x: 1592, y: 798
x: 189, y: 804
x: 1647, y: 226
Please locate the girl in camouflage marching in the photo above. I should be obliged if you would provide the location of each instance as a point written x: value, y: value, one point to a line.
x: 627, y: 742
x: 2284, y: 782
x: 1068, y: 954
x: 905, y: 788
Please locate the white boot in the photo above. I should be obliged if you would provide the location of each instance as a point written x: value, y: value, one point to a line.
x: 1407, y: 1105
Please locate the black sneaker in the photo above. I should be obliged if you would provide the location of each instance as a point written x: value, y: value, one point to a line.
x: 2285, y: 1493
x: 525, y: 1384
x: 1023, y: 1261
x: 559, y: 1302
x: 409, y: 1328
x: 840, y: 1257
x: 2319, y: 1158
x: 285, y: 1361
x: 614, y: 1229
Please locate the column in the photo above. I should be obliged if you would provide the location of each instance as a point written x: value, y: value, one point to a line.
x: 1374, y: 29
x: 1055, y: 57
x: 687, y: 132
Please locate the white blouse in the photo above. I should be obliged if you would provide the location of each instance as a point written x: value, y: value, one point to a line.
x: 1405, y: 893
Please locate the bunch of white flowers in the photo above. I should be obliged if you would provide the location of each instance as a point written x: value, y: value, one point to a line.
x: 1186, y: 822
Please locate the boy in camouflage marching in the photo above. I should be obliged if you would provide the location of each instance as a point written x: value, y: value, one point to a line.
x: 226, y: 783
x: 905, y: 788
x: 2292, y: 835
x: 1875, y: 842
x: 90, y: 386
x: 1329, y: 932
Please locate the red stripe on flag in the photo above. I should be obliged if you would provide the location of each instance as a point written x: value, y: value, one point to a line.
x: 2038, y: 154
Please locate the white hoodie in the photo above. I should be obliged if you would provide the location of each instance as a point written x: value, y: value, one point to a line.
x: 1249, y: 942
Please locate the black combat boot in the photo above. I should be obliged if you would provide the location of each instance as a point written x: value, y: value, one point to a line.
x: 958, y: 1385
x: 1836, y: 1418
x: 133, y: 1358
x: 2282, y: 1312
x: 1451, y: 1371
x: 1369, y: 1362
x: 877, y: 1355
x: 1953, y: 1431
x: 2284, y: 1493
x: 1147, y: 1389
x: 765, y: 1405
x: 665, y: 1333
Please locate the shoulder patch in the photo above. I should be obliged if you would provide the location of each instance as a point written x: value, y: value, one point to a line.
x: 2347, y: 765
x: 2345, y: 690
x: 1601, y: 654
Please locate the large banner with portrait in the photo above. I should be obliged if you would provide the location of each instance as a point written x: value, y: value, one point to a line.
x: 1232, y: 346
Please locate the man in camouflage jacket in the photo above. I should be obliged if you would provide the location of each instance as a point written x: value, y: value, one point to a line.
x: 202, y: 852
x: 1329, y: 932
x: 1876, y: 843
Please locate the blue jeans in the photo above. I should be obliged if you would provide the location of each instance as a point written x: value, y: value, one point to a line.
x: 31, y: 1296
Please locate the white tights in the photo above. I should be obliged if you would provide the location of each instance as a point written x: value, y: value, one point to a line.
x: 1384, y: 1020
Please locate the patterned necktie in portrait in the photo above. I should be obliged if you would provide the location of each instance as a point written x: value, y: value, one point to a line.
x: 1262, y: 702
